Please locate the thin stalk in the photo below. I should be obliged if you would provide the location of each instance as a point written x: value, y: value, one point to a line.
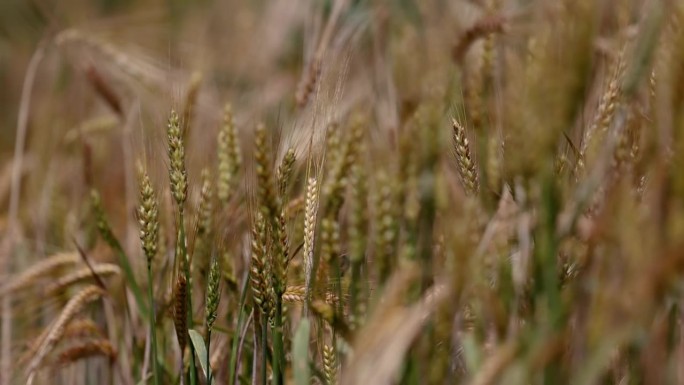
x: 186, y: 267
x: 264, y: 346
x: 236, y: 341
x: 153, y: 326
x: 208, y: 343
x: 278, y: 354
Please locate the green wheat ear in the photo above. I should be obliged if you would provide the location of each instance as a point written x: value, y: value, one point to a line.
x: 213, y: 293
x: 284, y: 172
x: 177, y: 173
x: 148, y: 216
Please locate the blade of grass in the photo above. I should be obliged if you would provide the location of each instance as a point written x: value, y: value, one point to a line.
x: 300, y: 354
x: 200, y: 350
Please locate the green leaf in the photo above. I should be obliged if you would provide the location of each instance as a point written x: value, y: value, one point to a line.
x: 471, y: 352
x: 200, y: 349
x: 300, y: 354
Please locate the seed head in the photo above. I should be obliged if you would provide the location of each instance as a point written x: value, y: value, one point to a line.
x: 213, y: 293
x: 177, y: 172
x: 148, y: 216
x: 284, y: 172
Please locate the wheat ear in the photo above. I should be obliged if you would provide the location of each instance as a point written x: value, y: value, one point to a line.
x: 309, y: 231
x: 82, y: 274
x: 466, y: 165
x: 87, y: 349
x: 53, y: 335
x: 28, y: 276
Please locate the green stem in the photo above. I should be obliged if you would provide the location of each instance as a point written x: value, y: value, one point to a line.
x: 153, y: 325
x: 236, y: 338
x: 186, y: 267
x: 208, y: 361
x: 278, y: 355
x: 264, y: 346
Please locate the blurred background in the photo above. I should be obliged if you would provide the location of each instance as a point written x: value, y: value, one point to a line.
x: 106, y: 74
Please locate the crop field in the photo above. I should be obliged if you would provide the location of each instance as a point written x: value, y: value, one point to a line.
x: 342, y: 192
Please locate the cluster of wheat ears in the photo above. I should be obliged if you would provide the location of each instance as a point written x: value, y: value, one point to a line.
x: 520, y: 220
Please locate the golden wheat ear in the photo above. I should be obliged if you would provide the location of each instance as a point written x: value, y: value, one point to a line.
x: 83, y: 274
x: 257, y: 269
x: 44, y: 267
x: 87, y: 349
x: 467, y: 168
x: 330, y: 364
x: 54, y: 334
x: 309, y: 232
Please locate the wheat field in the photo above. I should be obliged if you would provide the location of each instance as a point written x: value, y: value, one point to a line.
x: 342, y: 192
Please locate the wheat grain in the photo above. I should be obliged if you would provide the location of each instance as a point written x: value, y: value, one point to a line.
x: 295, y: 294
